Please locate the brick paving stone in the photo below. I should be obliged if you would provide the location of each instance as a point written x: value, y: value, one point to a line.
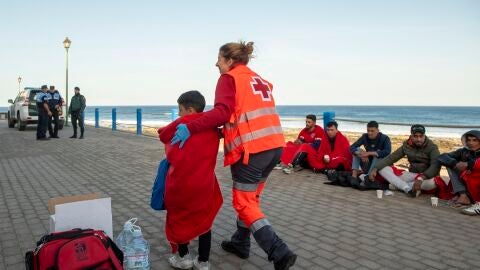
x: 329, y: 227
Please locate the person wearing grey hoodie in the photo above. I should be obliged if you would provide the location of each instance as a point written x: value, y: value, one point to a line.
x: 463, y: 166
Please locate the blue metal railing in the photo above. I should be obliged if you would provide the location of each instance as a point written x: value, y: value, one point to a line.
x: 327, y: 117
x: 114, y: 119
x: 139, y: 126
x: 139, y: 121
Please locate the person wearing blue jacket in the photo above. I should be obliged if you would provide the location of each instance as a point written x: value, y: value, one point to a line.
x: 55, y: 105
x: 376, y: 145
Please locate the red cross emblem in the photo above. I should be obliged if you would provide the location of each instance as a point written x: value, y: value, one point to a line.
x: 261, y: 88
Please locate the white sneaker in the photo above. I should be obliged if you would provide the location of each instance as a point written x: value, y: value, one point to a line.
x: 181, y: 263
x: 287, y: 170
x: 473, y: 210
x: 198, y: 265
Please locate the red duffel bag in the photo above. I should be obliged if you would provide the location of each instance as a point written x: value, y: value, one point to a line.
x: 75, y: 250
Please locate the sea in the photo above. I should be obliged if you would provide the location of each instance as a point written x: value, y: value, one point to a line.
x: 393, y: 120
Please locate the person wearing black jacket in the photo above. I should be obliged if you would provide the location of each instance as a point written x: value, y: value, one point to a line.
x: 55, y: 105
x: 376, y: 145
x: 463, y: 168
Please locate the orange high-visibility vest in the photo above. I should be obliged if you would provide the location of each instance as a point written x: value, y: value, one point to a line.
x: 254, y: 125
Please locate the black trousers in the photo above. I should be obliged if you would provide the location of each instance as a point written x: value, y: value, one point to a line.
x: 204, y: 245
x: 42, y: 124
x: 53, y: 131
x: 78, y: 117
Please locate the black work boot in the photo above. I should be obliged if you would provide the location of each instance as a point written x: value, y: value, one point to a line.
x: 74, y: 136
x: 81, y: 136
x: 239, y: 244
x: 277, y: 251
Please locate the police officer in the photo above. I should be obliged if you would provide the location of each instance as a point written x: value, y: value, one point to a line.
x: 55, y: 107
x: 42, y: 100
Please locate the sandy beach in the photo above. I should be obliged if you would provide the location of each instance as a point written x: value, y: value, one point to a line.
x: 444, y: 144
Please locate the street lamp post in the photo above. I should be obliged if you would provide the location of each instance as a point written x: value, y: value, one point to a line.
x: 66, y: 44
x: 19, y: 81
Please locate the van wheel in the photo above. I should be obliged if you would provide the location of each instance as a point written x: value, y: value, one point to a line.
x: 21, y: 124
x: 11, y: 123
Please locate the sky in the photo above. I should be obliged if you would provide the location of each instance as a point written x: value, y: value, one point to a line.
x: 409, y: 52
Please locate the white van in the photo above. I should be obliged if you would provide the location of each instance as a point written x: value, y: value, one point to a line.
x: 24, y: 111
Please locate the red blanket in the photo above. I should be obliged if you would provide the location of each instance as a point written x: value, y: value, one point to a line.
x: 192, y: 194
x: 340, y: 154
x: 472, y: 180
x: 291, y: 150
x: 308, y: 137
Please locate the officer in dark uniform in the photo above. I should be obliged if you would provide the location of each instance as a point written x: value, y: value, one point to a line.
x: 55, y: 106
x: 42, y: 100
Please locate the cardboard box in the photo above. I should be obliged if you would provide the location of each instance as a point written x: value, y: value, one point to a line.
x: 81, y: 211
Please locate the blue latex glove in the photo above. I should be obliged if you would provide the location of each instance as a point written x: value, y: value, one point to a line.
x: 181, y: 135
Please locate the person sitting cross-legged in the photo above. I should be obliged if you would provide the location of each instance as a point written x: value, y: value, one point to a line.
x: 463, y: 166
x: 422, y: 154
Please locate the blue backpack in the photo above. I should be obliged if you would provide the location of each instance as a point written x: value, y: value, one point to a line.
x: 158, y: 189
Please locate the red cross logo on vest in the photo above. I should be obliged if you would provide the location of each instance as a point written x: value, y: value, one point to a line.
x: 261, y: 88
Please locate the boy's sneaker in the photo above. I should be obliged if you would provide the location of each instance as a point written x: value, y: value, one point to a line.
x: 473, y: 210
x: 178, y: 262
x: 198, y: 265
x: 287, y: 170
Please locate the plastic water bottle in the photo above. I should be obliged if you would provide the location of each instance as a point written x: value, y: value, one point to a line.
x: 126, y: 236
x: 136, y: 252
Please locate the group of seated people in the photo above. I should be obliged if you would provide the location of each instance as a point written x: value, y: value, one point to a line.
x: 370, y: 160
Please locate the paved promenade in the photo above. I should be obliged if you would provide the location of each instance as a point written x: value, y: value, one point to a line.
x: 328, y: 227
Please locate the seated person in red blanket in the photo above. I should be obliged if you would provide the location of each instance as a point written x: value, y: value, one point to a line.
x: 463, y: 166
x: 334, y: 152
x: 294, y: 153
x: 192, y: 193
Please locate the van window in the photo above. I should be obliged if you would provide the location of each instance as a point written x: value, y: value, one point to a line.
x: 33, y: 95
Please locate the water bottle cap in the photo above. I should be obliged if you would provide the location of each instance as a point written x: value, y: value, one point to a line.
x: 129, y: 224
x: 137, y: 232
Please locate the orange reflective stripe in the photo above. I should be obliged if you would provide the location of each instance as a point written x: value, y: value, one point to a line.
x: 258, y: 224
x: 245, y: 186
x: 258, y: 134
x: 256, y: 113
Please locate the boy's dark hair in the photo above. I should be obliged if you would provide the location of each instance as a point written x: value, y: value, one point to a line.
x: 312, y: 117
x: 332, y: 123
x: 372, y: 124
x: 192, y: 99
